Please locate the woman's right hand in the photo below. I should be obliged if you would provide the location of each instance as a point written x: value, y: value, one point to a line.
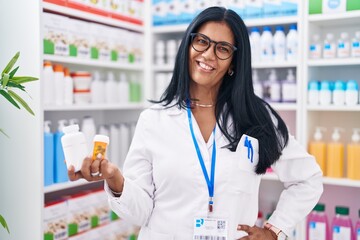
x: 97, y: 170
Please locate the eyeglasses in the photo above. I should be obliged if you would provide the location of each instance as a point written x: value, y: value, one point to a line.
x: 201, y: 43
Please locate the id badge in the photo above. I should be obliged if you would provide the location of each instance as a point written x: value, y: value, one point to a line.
x: 210, y: 228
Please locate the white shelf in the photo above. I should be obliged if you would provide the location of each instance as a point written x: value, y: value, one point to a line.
x: 326, y: 180
x: 163, y: 68
x: 95, y: 107
x: 271, y: 21
x: 248, y: 23
x: 333, y: 62
x: 92, y: 17
x: 274, y: 64
x: 335, y: 19
x: 93, y: 63
x: 66, y: 185
x: 332, y: 108
x: 284, y: 106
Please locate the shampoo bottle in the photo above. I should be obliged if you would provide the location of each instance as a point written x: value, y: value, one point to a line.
x: 48, y: 155
x: 335, y: 156
x: 317, y: 148
x: 317, y: 224
x: 60, y: 173
x: 353, y: 156
x: 341, y: 224
x: 289, y: 87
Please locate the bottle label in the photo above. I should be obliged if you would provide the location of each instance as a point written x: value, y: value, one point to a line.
x: 317, y: 231
x: 341, y: 233
x: 355, y: 49
x: 315, y: 51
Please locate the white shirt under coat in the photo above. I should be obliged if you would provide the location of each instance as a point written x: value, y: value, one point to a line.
x: 165, y: 188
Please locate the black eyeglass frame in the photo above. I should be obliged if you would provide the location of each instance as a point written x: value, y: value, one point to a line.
x: 193, y: 35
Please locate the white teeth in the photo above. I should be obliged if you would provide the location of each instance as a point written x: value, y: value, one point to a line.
x: 204, y: 66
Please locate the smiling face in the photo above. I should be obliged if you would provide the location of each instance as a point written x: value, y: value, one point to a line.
x: 206, y: 69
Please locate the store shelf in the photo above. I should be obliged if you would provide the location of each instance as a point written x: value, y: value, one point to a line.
x: 92, y: 17
x: 333, y: 62
x: 248, y: 23
x: 284, y: 106
x: 164, y: 68
x: 93, y: 63
x: 271, y: 21
x: 341, y: 182
x: 332, y: 108
x: 66, y: 185
x: 335, y: 19
x: 274, y: 64
x: 95, y: 107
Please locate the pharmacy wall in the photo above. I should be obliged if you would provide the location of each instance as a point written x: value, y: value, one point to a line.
x: 99, y: 63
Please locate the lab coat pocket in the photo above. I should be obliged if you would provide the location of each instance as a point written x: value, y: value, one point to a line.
x: 243, y: 177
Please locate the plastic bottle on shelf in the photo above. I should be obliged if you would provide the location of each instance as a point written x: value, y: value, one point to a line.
x: 357, y: 228
x: 123, y: 88
x: 329, y: 50
x: 68, y: 88
x: 292, y: 43
x: 103, y: 130
x: 135, y: 88
x: 274, y: 87
x: 343, y: 46
x: 279, y: 44
x: 160, y: 52
x: 289, y: 89
x: 49, y: 84
x: 352, y: 93
x: 60, y: 169
x: 114, y: 150
x: 325, y: 93
x: 59, y: 84
x: 48, y: 154
x: 315, y: 47
x: 266, y: 45
x: 255, y: 44
x: 317, y: 224
x: 317, y: 148
x: 97, y: 88
x: 88, y: 127
x: 353, y: 154
x: 339, y: 93
x: 75, y: 146
x: 341, y: 225
x: 335, y: 155
x: 110, y: 88
x: 313, y: 93
x: 258, y: 88
x: 355, y: 45
x: 171, y: 49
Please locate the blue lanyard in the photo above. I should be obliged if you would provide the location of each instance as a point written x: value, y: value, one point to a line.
x: 210, y: 182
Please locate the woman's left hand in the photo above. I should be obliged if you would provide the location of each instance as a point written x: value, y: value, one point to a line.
x: 256, y: 233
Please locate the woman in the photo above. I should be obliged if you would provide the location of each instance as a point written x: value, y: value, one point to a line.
x: 196, y: 159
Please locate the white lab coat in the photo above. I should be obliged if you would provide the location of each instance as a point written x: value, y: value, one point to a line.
x: 165, y: 188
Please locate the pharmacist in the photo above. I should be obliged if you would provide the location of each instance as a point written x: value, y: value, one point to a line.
x: 196, y: 160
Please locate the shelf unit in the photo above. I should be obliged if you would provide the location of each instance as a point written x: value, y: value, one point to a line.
x: 336, y: 191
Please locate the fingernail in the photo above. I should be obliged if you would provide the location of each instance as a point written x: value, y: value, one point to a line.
x: 99, y: 155
x: 238, y: 227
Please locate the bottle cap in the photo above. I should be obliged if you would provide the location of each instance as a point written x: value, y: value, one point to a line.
x: 67, y: 72
x: 318, y: 133
x: 329, y: 36
x: 123, y: 77
x: 313, y: 85
x: 47, y: 126
x: 279, y: 28
x: 290, y: 76
x: 58, y: 68
x: 344, y: 35
x: 71, y: 128
x: 61, y: 124
x: 255, y: 29
x: 342, y: 210
x: 336, y: 134
x: 110, y: 76
x: 272, y: 76
x: 339, y: 85
x: 316, y: 37
x: 325, y: 85
x: 101, y: 138
x: 352, y: 85
x: 320, y: 207
x: 47, y: 63
x: 355, y: 137
x: 293, y: 27
x: 266, y: 28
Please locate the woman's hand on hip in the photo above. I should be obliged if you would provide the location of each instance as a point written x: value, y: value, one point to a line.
x: 256, y: 233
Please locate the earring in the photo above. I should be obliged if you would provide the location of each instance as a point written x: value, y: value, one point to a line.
x: 231, y: 72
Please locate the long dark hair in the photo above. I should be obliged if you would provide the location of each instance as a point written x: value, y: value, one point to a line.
x: 236, y: 101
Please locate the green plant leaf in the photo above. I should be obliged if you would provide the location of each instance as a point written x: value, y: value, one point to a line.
x: 15, y: 85
x: 5, y: 79
x: 3, y: 132
x: 11, y: 63
x: 9, y: 98
x: 4, y: 224
x: 21, y: 101
x: 12, y: 73
x: 23, y: 79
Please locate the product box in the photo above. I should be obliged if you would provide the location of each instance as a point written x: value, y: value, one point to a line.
x: 79, y: 38
x: 136, y: 47
x: 272, y: 8
x: 289, y: 7
x: 159, y: 12
x: 238, y: 6
x: 120, y: 46
x: 56, y: 38
x: 99, y: 42
x: 55, y: 221
x: 101, y: 208
x: 254, y: 8
x: 135, y: 9
x: 352, y: 5
x: 187, y: 11
x: 315, y: 6
x: 333, y: 6
x: 78, y: 214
